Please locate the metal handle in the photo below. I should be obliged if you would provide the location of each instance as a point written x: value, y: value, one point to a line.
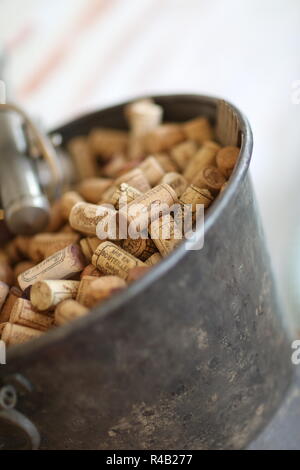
x: 17, y: 432
x: 26, y: 207
x: 44, y: 144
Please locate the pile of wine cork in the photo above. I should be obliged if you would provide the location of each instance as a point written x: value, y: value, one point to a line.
x: 54, y: 277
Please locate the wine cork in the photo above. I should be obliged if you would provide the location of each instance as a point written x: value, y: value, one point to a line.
x: 22, y: 245
x: 183, y: 153
x: 17, y: 334
x: 82, y: 156
x: 13, y: 253
x: 166, y: 162
x: 210, y: 178
x: 130, y: 165
x: 41, y: 243
x: 143, y: 116
x: 68, y: 201
x: 204, y: 157
x: 136, y: 147
x: 165, y: 234
x: 4, y: 256
x: 62, y: 265
x: 193, y: 196
x: 54, y: 247
x: 45, y: 295
x: 134, y: 178
x: 56, y: 219
x: 102, y: 288
x: 152, y: 169
x: 141, y: 248
x: 198, y: 129
x: 163, y: 138
x: 4, y: 289
x: 91, y: 189
x: 141, y: 206
x: 114, y: 200
x: 22, y: 266
x: 111, y: 259
x: 88, y: 246
x: 67, y: 229
x: 176, y: 181
x: 226, y: 159
x: 85, y: 217
x: 107, y: 142
x: 90, y: 270
x: 83, y: 290
x: 107, y: 195
x: 114, y: 167
x: 24, y: 314
x: 154, y: 259
x: 67, y: 311
x: 124, y: 195
x: 13, y: 294
x: 6, y: 273
x: 137, y: 272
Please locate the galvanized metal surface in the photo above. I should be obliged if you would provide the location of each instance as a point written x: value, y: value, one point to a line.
x: 193, y: 356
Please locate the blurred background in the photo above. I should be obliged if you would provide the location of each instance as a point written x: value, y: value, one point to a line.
x: 69, y: 57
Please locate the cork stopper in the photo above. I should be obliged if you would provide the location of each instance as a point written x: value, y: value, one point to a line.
x: 154, y: 259
x: 85, y: 217
x: 4, y: 289
x: 40, y: 245
x: 199, y: 130
x: 142, y: 208
x: 152, y: 169
x: 62, y: 265
x: 90, y: 270
x: 143, y: 116
x: 17, y: 334
x: 124, y: 195
x: 204, y: 157
x: 82, y: 156
x: 45, y: 295
x: 113, y: 260
x: 210, y: 178
x: 24, y: 314
x: 102, y: 288
x: 6, y: 273
x: 135, y: 178
x: 91, y: 189
x: 67, y: 201
x: 183, y: 153
x: 106, y: 142
x: 166, y: 162
x: 141, y: 248
x: 226, y: 159
x: 176, y: 181
x: 165, y: 234
x: 14, y: 294
x: 163, y: 138
x: 68, y: 310
x: 136, y: 273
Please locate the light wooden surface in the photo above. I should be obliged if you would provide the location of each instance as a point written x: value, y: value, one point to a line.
x: 67, y: 57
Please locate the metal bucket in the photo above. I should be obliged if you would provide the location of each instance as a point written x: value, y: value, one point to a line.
x: 192, y: 356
